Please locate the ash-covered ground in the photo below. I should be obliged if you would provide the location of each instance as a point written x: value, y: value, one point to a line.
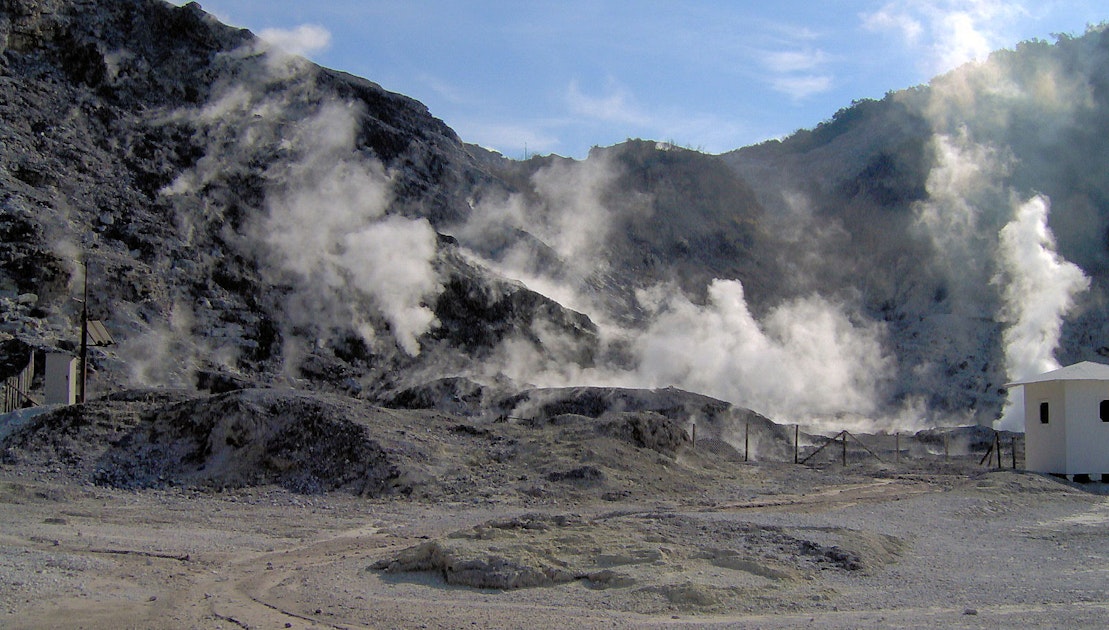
x: 588, y: 507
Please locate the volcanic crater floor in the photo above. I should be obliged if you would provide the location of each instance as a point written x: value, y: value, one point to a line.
x: 694, y: 538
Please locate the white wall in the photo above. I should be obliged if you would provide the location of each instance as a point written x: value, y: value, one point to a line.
x: 1045, y: 445
x: 61, y: 379
x: 1087, y: 436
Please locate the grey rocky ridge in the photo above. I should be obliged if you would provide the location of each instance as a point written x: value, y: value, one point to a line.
x: 247, y: 218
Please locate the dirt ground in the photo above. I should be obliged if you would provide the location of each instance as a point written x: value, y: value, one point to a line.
x: 950, y: 548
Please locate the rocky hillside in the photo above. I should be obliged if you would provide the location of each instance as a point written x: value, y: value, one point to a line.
x: 247, y: 218
x: 237, y: 209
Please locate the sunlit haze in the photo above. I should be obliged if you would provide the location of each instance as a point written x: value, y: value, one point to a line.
x: 560, y: 77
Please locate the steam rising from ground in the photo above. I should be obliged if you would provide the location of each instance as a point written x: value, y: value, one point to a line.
x: 985, y: 115
x: 806, y: 359
x: 326, y: 232
x: 568, y: 219
x: 325, y: 229
x: 327, y: 226
x: 816, y: 357
x: 1039, y: 289
x: 963, y: 181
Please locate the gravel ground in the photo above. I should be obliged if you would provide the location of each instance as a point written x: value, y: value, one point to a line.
x: 951, y: 549
x: 171, y: 512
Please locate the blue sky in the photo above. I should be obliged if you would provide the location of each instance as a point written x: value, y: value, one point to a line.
x: 560, y: 77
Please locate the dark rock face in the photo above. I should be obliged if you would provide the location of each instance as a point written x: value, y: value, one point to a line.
x: 477, y: 313
x: 649, y: 430
x: 14, y: 355
x: 150, y: 142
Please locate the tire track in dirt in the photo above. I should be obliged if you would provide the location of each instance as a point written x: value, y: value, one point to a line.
x: 835, y: 497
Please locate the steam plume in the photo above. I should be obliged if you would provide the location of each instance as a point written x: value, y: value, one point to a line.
x: 327, y: 226
x: 1039, y: 287
x: 806, y: 359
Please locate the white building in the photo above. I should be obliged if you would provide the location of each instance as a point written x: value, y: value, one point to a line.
x: 1066, y: 420
x: 61, y: 379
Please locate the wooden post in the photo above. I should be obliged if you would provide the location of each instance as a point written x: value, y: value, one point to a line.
x: 945, y: 449
x: 997, y: 439
x: 694, y: 435
x: 897, y: 447
x: 747, y: 440
x: 796, y: 435
x: 82, y: 376
x: 1014, y: 445
x: 843, y: 435
x: 988, y: 457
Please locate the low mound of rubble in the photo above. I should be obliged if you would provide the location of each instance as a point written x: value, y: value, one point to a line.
x: 659, y: 419
x: 305, y: 443
x: 639, y: 444
x: 708, y: 563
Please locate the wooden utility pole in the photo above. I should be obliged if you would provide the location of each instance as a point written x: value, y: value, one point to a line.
x: 796, y: 436
x: 83, y: 374
x: 997, y: 439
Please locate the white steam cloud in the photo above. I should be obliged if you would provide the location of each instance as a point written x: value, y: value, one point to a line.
x: 964, y: 180
x: 570, y: 222
x: 327, y: 226
x: 947, y: 33
x: 989, y: 119
x: 323, y: 225
x: 302, y: 40
x: 1039, y: 287
x: 805, y: 361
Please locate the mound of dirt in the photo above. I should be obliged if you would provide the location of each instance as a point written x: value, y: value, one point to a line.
x: 708, y: 564
x: 302, y: 442
x: 660, y: 419
x: 453, y: 395
x: 74, y: 437
x: 595, y: 402
x: 647, y: 429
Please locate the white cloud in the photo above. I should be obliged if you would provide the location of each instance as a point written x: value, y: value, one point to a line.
x: 795, y: 66
x: 302, y: 40
x: 900, y: 24
x: 617, y: 106
x: 795, y: 61
x: 802, y: 86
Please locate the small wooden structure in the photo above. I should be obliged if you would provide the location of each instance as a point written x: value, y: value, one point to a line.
x: 1066, y: 420
x: 61, y: 379
x: 16, y: 378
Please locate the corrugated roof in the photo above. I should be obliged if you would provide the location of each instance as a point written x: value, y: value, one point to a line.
x: 1084, y: 371
x: 98, y: 334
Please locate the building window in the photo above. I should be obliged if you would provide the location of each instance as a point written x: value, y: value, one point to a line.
x: 1104, y: 411
x: 1043, y: 412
